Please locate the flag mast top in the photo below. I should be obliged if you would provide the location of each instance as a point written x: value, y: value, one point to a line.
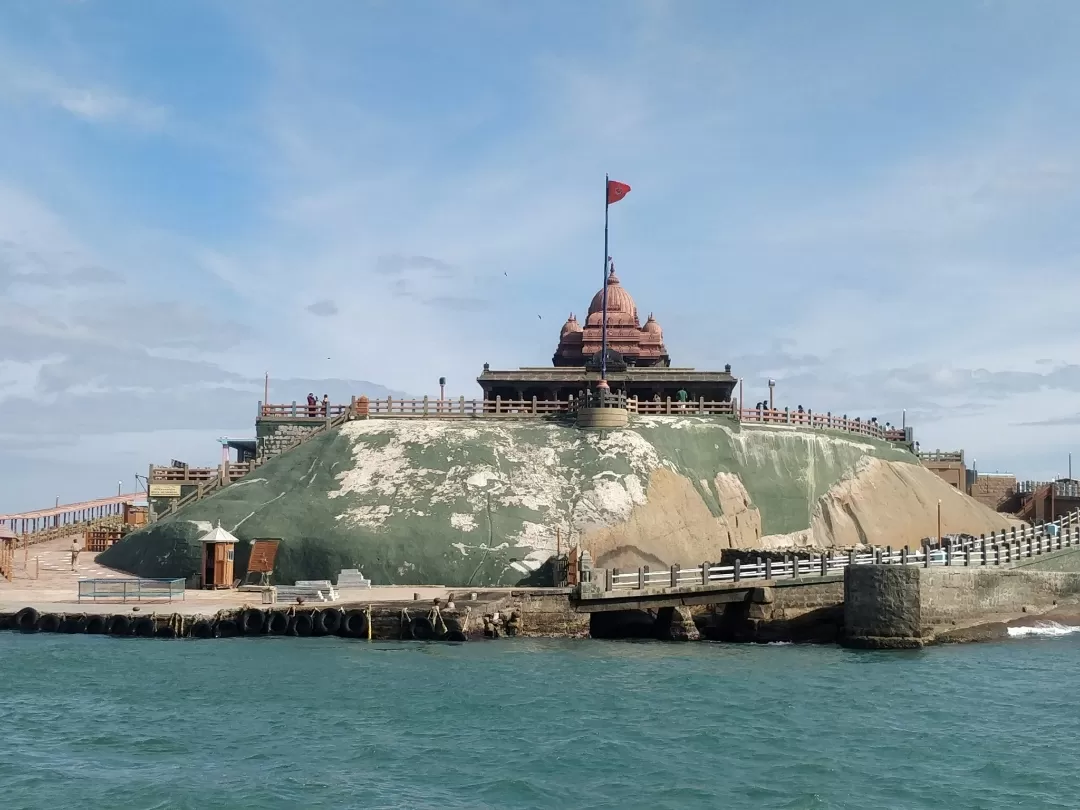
x: 613, y: 192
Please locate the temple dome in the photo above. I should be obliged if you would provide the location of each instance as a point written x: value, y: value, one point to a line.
x: 571, y: 325
x: 618, y: 299
x: 652, y: 327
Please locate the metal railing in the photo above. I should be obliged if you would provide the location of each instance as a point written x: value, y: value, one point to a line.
x: 131, y: 590
x: 1000, y: 548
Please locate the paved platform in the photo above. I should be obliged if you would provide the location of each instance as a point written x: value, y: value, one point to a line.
x: 44, y: 580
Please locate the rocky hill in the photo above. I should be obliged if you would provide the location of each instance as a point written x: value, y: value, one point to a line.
x: 479, y: 503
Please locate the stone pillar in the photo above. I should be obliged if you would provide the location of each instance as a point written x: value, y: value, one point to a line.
x: 676, y: 624
x: 882, y: 607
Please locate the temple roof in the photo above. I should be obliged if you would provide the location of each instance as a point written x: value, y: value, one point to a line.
x: 618, y: 299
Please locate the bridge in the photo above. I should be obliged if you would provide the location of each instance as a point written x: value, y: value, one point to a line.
x: 709, y: 584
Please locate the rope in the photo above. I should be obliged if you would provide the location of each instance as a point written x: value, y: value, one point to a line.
x: 368, y: 614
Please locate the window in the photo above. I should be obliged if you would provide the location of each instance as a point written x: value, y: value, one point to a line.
x: 229, y: 555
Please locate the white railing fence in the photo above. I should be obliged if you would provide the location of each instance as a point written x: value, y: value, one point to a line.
x: 999, y: 548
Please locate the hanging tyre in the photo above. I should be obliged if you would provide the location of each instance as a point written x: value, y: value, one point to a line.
x: 119, y: 625
x: 96, y: 625
x: 252, y: 622
x: 49, y: 623
x: 278, y: 623
x: 453, y: 630
x: 144, y: 627
x: 302, y: 624
x: 422, y: 629
x: 73, y: 624
x: 202, y: 629
x: 327, y: 621
x: 26, y: 620
x: 226, y: 628
x: 354, y: 624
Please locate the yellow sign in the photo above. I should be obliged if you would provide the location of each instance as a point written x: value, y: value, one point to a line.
x: 164, y: 490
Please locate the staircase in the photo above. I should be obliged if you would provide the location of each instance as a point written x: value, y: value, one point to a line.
x: 221, y: 481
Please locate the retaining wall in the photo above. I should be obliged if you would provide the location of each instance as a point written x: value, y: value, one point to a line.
x: 274, y: 435
x: 907, y: 606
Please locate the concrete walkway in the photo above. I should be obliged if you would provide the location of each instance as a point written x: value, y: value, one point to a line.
x: 44, y: 580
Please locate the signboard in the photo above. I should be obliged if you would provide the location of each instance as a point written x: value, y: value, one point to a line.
x: 164, y: 490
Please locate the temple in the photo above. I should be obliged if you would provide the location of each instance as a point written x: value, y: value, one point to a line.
x: 638, y: 363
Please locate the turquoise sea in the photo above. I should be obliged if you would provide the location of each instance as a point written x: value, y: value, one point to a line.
x: 95, y: 722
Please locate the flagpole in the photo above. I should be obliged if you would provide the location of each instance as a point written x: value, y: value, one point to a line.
x: 603, y: 317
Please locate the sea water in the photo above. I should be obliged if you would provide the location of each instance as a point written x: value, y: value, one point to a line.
x: 95, y: 722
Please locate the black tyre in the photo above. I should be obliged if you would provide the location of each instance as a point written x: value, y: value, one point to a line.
x: 73, y: 624
x: 278, y: 623
x: 144, y: 627
x: 120, y: 625
x: 354, y: 624
x: 49, y: 623
x: 227, y: 628
x: 96, y: 625
x: 327, y: 621
x: 302, y: 624
x: 165, y: 631
x: 26, y: 620
x: 453, y: 629
x: 422, y: 629
x: 252, y: 622
x: 202, y: 629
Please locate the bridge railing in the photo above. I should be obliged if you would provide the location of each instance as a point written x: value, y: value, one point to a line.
x: 1001, y: 548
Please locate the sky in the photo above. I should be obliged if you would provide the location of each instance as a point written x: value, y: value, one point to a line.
x: 873, y: 204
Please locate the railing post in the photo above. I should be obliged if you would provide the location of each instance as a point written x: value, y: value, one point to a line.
x: 609, y: 584
x: 640, y: 578
x: 982, y: 544
x: 967, y: 557
x: 736, y: 573
x: 851, y: 557
x: 498, y: 404
x: 705, y: 573
x: 668, y: 410
x: 675, y: 576
x: 534, y: 405
x: 904, y: 556
x: 614, y: 577
x: 294, y: 408
x: 824, y: 564
x: 795, y: 565
x: 768, y: 568
x: 260, y: 412
x: 888, y: 555
x: 461, y: 405
x: 949, y: 553
x: 757, y: 568
x: 425, y: 404
x: 877, y: 556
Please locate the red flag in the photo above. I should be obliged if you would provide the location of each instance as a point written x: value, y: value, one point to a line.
x: 616, y: 191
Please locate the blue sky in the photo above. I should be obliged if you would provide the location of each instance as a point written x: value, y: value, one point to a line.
x: 872, y: 203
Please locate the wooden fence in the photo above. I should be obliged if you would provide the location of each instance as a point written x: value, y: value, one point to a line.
x: 7, y: 557
x: 199, y: 475
x: 461, y: 408
x: 1000, y: 548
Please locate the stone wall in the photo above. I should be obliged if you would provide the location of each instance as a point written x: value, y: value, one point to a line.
x: 882, y: 605
x: 274, y: 435
x: 546, y: 613
x: 905, y: 606
x: 994, y: 490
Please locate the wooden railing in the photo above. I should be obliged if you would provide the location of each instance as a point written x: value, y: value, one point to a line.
x: 301, y: 410
x: 78, y: 529
x: 199, y: 475
x: 1000, y: 548
x: 462, y: 408
x: 7, y: 557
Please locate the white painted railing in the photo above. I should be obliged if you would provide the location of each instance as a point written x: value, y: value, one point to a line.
x: 999, y: 548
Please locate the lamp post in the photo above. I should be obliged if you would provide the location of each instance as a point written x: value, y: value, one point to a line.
x: 119, y: 488
x: 442, y: 391
x: 772, y: 387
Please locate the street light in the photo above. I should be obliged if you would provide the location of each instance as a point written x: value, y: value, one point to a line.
x: 442, y: 391
x: 119, y: 488
x: 772, y: 386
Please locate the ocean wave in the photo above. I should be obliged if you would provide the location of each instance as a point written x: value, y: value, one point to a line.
x: 1043, y: 629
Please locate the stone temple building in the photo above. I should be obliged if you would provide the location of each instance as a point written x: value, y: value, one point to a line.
x: 638, y: 363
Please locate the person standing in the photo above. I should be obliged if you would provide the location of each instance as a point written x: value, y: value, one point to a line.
x: 325, y: 404
x: 74, y: 554
x: 312, y: 405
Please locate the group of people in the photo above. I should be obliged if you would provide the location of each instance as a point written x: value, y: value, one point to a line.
x: 800, y: 412
x: 316, y: 408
